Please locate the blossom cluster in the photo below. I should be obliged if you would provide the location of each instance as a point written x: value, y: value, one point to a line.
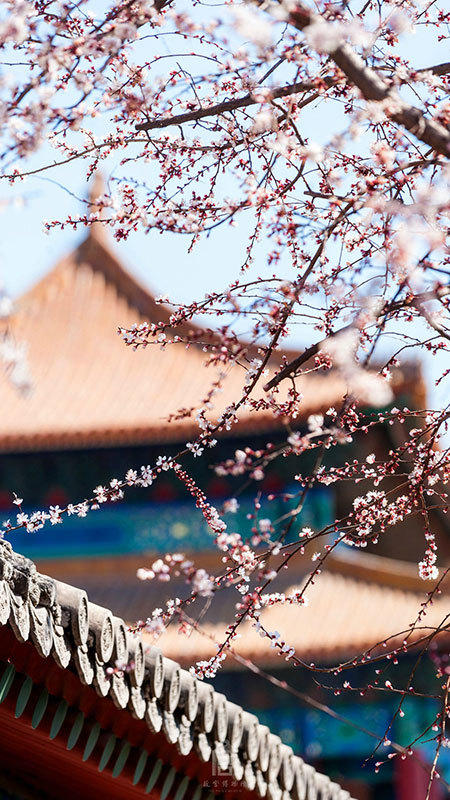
x: 344, y: 240
x: 175, y: 564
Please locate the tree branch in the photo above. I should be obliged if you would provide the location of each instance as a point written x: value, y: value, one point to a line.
x: 415, y: 301
x: 231, y: 105
x: 372, y: 87
x: 296, y: 363
x: 436, y: 69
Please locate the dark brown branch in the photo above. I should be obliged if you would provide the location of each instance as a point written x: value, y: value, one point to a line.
x: 296, y: 363
x: 372, y: 87
x: 415, y: 301
x: 230, y: 105
x: 436, y: 69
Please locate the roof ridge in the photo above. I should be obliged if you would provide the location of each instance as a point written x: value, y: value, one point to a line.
x: 377, y: 570
x: 94, y: 250
x: 60, y: 621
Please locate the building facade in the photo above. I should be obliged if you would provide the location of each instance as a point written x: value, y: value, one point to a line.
x: 97, y: 409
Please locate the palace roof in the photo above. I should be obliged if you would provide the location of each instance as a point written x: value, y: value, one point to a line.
x: 353, y: 606
x: 359, y: 599
x: 99, y: 714
x: 89, y: 389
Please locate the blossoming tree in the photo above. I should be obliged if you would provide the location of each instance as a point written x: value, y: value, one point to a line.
x: 312, y: 126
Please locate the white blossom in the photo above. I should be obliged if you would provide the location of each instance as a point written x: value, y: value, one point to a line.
x: 202, y: 583
x: 265, y: 120
x: 252, y: 26
x: 315, y: 423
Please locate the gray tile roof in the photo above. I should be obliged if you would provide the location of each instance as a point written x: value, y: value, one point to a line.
x: 82, y: 636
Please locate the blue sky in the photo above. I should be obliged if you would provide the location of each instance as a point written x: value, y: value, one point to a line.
x: 161, y: 262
